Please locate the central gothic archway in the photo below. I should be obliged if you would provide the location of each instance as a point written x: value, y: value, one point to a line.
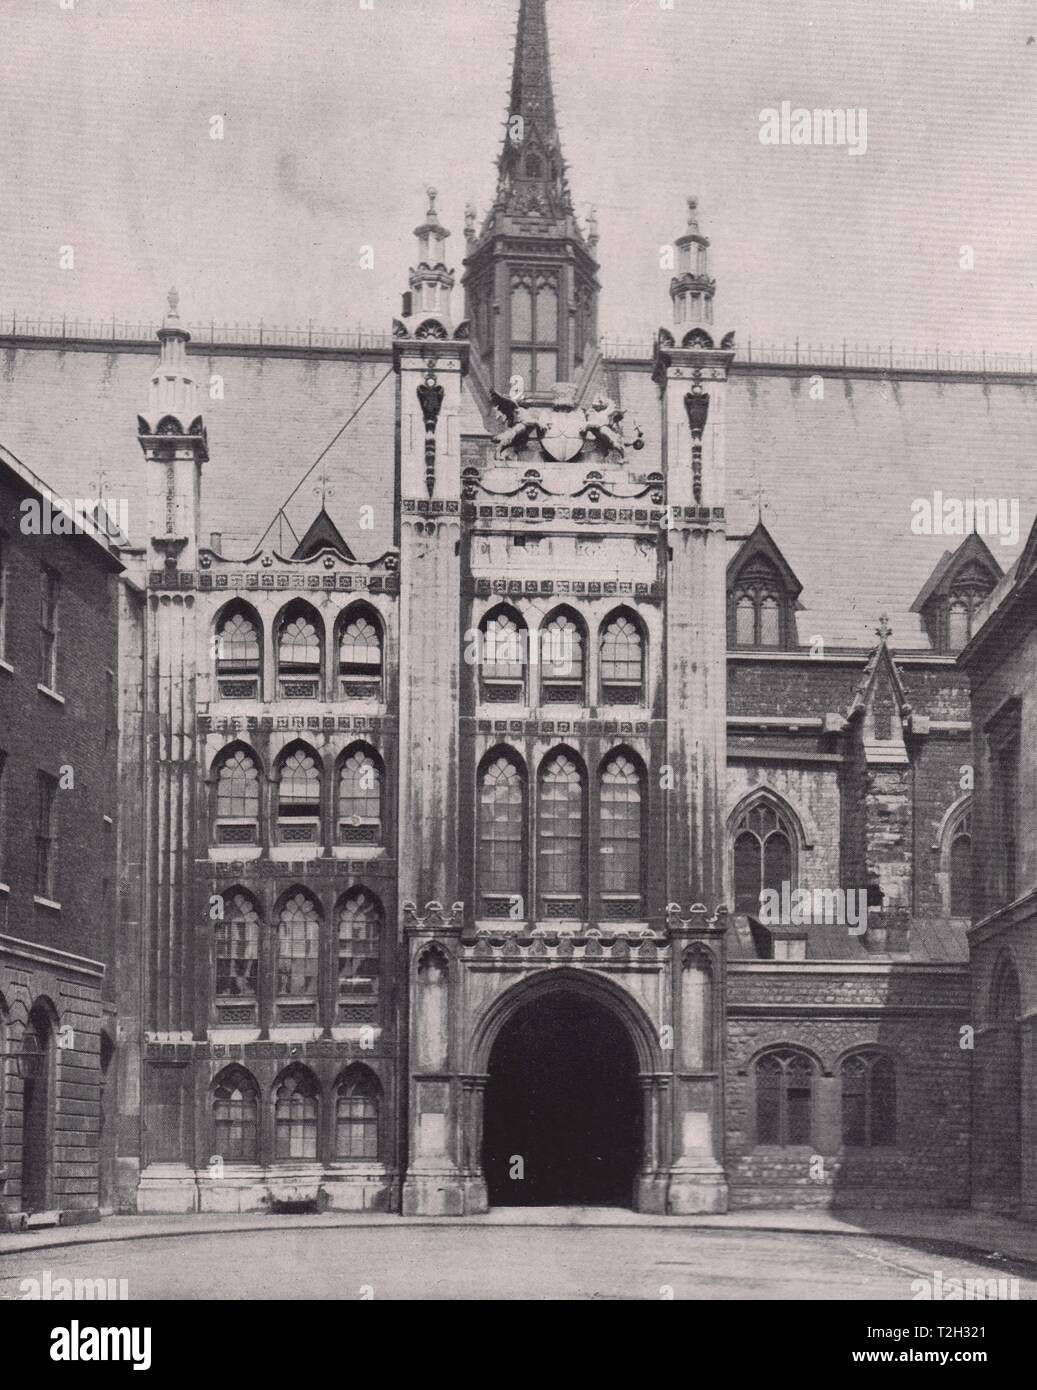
x: 563, y: 1110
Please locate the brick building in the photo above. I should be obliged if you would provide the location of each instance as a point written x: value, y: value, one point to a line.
x: 58, y: 770
x: 450, y: 801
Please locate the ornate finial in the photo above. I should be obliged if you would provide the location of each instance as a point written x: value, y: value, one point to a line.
x: 173, y: 300
x: 884, y: 630
x: 433, y: 193
x: 592, y: 225
x: 693, y: 207
x: 469, y: 220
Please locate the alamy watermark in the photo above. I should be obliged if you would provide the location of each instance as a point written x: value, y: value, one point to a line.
x: 940, y: 515
x: 828, y: 907
x: 59, y: 516
x: 48, y: 1287
x: 840, y: 125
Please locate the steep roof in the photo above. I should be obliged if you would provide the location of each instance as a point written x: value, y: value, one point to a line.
x: 837, y: 478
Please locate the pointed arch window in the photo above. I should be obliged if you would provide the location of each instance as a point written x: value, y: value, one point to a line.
x: 295, y: 1115
x: 357, y: 1103
x: 760, y: 611
x: 236, y: 809
x: 300, y: 650
x: 298, y: 948
x: 961, y: 606
x: 238, y: 655
x: 764, y: 855
x: 622, y: 662
x: 562, y: 661
x: 869, y: 1100
x: 237, y: 949
x: 621, y: 874
x: 503, y: 645
x: 360, y: 782
x: 235, y: 1116
x: 957, y: 849
x: 561, y: 838
x: 360, y: 657
x: 360, y: 921
x: 502, y: 844
x: 299, y: 797
x: 762, y: 591
x: 784, y: 1082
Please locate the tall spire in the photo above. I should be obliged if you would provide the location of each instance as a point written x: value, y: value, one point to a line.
x: 531, y: 94
x: 531, y: 171
x: 531, y: 278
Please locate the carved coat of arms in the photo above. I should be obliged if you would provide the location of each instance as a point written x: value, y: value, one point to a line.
x: 564, y: 431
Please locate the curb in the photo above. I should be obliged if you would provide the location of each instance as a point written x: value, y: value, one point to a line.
x: 958, y: 1247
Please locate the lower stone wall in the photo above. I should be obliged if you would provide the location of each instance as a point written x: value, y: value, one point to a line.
x: 914, y: 1016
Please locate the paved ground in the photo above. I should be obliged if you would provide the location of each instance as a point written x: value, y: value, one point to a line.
x: 320, y: 1257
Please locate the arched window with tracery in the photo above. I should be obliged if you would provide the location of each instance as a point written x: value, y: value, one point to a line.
x: 360, y: 920
x: 296, y: 1112
x: 237, y: 947
x: 298, y: 948
x: 869, y: 1100
x: 360, y: 655
x: 784, y: 1081
x: 236, y: 799
x: 502, y: 837
x: 562, y: 667
x: 299, y: 796
x: 620, y: 841
x: 235, y: 1116
x: 360, y: 783
x: 561, y: 837
x: 764, y: 854
x: 503, y: 657
x: 357, y: 1102
x: 300, y: 652
x: 239, y: 653
x: 622, y: 662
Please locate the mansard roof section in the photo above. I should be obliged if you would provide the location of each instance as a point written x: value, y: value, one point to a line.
x: 760, y: 551
x: 322, y: 535
x: 972, y: 562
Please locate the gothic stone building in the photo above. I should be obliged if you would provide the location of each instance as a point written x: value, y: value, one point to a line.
x: 449, y: 801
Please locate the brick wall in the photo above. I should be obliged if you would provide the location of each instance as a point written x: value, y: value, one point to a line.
x: 912, y: 1014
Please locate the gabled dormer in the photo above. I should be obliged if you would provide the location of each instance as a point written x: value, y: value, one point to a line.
x: 880, y: 705
x: 322, y: 534
x: 762, y: 596
x: 954, y: 591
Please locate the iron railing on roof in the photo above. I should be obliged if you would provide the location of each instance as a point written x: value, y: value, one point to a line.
x: 213, y: 333
x: 845, y: 354
x: 261, y: 334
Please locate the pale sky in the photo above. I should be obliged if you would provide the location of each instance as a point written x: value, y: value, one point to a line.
x: 336, y: 117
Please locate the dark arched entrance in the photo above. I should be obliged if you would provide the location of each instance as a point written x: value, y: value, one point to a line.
x: 37, y: 1091
x: 562, y: 1116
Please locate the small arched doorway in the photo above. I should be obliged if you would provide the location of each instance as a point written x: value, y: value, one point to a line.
x: 562, y: 1116
x: 37, y: 1052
